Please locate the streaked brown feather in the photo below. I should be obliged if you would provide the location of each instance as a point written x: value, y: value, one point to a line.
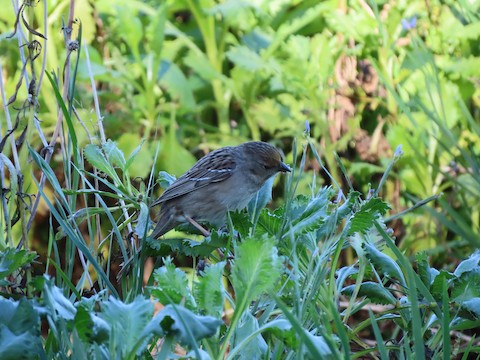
x: 203, y: 173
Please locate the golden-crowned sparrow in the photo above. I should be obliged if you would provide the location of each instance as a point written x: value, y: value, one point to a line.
x: 224, y: 180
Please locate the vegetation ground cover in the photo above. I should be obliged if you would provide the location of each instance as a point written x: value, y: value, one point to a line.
x: 367, y: 250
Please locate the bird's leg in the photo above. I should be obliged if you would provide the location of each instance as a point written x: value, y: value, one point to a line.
x: 198, y: 226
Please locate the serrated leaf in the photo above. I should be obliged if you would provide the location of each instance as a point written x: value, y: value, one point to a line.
x: 208, y: 290
x: 241, y: 223
x: 172, y: 285
x: 270, y: 222
x: 313, y: 214
x: 382, y: 262
x: 375, y: 292
x: 369, y: 211
x: 256, y: 268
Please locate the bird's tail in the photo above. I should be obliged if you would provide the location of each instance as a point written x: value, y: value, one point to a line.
x: 165, y: 222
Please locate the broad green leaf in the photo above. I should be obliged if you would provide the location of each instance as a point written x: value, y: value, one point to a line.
x: 96, y: 157
x: 172, y: 285
x: 127, y: 322
x: 473, y: 306
x: 256, y: 268
x: 241, y: 223
x: 383, y: 262
x: 375, y: 292
x: 466, y: 287
x: 23, y: 345
x: 468, y: 265
x: 177, y: 84
x: 256, y: 347
x: 20, y: 317
x: 245, y: 58
x: 208, y: 290
x: 57, y: 302
x: 91, y: 327
x: 179, y: 322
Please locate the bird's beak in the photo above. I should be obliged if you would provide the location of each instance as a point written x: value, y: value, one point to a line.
x: 284, y: 168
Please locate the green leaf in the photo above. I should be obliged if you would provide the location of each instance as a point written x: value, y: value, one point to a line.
x: 127, y: 322
x: 270, y: 222
x: 19, y: 317
x: 256, y: 347
x: 155, y: 31
x: 91, y: 327
x: 256, y: 268
x: 114, y: 154
x: 173, y: 157
x: 20, y: 346
x: 97, y: 158
x: 375, y: 292
x: 473, y: 306
x: 172, y: 285
x: 468, y: 265
x: 208, y: 290
x: 369, y: 211
x: 200, y: 64
x: 165, y: 179
x: 185, y: 326
x: 246, y: 58
x: 12, y: 259
x: 143, y: 220
x: 385, y: 263
x: 466, y: 287
x: 241, y: 223
x: 312, y: 215
x: 57, y: 302
x: 177, y: 84
x: 260, y: 200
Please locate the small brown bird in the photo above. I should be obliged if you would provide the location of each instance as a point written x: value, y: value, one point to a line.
x: 224, y: 180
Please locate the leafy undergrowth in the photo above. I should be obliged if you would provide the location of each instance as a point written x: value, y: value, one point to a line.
x: 273, y: 284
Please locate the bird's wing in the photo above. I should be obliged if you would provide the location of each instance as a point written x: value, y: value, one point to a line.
x: 215, y: 167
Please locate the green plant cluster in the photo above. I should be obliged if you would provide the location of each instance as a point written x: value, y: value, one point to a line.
x: 322, y: 275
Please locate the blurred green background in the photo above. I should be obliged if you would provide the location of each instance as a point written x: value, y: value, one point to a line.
x: 192, y: 76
